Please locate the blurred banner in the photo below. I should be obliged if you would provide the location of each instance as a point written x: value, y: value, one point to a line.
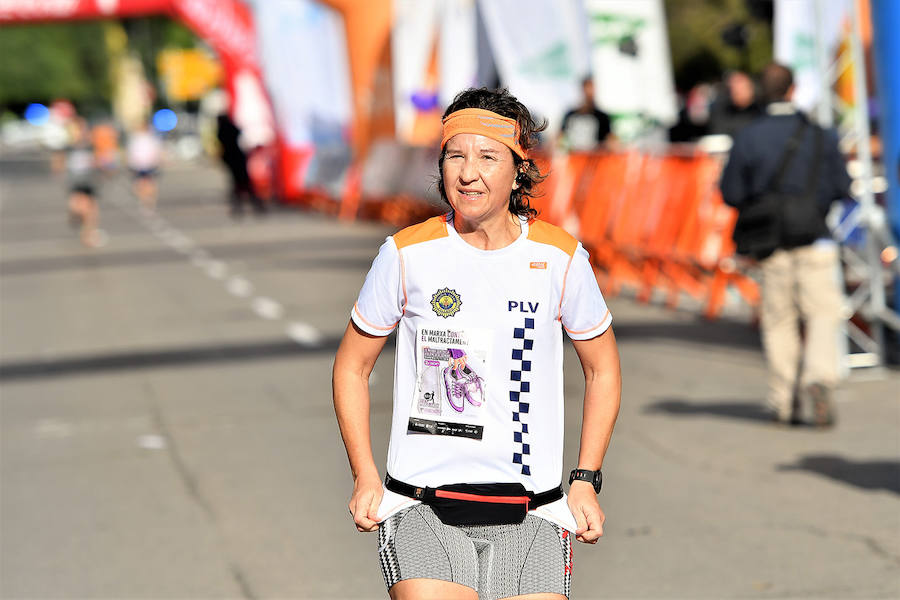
x: 54, y: 10
x: 632, y: 63
x: 539, y: 52
x: 303, y: 47
x: 795, y: 28
x: 457, y: 49
x: 188, y: 74
x: 886, y: 23
x: 413, y: 45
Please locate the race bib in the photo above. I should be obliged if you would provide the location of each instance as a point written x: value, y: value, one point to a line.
x: 451, y: 366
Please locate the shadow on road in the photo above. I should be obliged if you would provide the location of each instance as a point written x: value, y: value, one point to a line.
x: 720, y: 333
x: 243, y: 250
x: 148, y: 359
x: 749, y: 410
x: 866, y: 474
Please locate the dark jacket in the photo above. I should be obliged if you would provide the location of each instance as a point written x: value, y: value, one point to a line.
x: 757, y: 154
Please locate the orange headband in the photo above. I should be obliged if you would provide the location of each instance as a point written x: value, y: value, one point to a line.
x: 486, y: 123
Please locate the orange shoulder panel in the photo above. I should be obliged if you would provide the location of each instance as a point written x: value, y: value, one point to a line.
x: 432, y: 229
x: 545, y: 233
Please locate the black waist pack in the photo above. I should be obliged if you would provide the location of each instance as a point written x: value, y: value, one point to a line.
x: 477, y: 503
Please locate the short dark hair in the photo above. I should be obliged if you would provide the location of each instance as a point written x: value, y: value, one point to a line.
x: 776, y: 80
x: 528, y: 175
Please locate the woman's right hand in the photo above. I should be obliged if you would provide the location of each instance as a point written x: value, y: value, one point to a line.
x: 367, y: 493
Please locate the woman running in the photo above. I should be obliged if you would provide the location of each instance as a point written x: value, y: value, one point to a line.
x: 471, y: 505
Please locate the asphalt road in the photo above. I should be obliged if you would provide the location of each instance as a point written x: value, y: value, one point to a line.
x: 166, y: 428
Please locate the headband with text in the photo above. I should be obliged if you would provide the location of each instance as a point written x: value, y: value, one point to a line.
x: 483, y: 122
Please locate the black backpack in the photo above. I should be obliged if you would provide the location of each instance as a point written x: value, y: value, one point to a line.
x: 775, y: 219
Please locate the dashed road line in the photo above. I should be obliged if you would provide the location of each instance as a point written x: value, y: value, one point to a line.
x: 217, y: 269
x: 238, y: 286
x: 267, y: 308
x: 302, y: 333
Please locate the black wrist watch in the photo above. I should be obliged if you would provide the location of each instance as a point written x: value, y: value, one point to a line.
x: 595, y: 478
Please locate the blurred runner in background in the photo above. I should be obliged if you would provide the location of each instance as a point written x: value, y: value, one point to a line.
x: 144, y: 155
x: 82, y: 175
x: 106, y: 146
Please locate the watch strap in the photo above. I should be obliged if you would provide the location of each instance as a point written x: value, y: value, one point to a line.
x: 595, y: 478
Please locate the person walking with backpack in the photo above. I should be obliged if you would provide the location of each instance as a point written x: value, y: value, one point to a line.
x: 782, y: 176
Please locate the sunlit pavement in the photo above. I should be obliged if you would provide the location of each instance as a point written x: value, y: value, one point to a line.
x: 167, y: 429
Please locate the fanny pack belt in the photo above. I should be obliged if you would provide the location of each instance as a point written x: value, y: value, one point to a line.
x: 428, y: 494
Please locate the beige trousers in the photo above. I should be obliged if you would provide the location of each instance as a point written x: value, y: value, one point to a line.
x: 801, y: 283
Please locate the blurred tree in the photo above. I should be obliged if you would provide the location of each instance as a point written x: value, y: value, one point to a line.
x: 147, y: 36
x: 70, y: 60
x: 44, y: 62
x: 708, y: 37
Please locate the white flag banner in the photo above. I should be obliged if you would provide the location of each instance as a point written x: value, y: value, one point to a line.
x: 632, y: 63
x: 304, y: 53
x: 538, y: 55
x: 458, y: 48
x: 413, y: 36
x: 795, y: 41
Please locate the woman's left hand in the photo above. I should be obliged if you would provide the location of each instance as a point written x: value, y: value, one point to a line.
x: 587, y: 512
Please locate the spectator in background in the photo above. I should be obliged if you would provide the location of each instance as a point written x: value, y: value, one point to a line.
x: 144, y: 155
x: 693, y: 118
x: 236, y: 160
x: 737, y: 107
x: 782, y: 176
x: 585, y: 127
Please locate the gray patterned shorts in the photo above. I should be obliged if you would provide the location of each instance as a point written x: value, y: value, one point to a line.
x: 498, y: 561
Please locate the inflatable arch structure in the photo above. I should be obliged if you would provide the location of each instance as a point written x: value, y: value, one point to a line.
x: 228, y: 27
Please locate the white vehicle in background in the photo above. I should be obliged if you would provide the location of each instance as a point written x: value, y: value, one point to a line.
x: 19, y: 134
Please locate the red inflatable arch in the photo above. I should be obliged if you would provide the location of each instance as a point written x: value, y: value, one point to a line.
x: 226, y: 25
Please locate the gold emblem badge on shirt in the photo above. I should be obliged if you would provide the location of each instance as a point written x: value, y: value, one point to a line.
x: 445, y: 302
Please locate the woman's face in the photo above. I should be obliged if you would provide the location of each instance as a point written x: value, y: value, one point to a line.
x: 479, y: 175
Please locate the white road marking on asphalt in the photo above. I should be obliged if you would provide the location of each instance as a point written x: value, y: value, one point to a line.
x: 238, y: 286
x: 267, y: 308
x: 200, y: 258
x: 216, y: 269
x: 51, y: 428
x: 183, y: 244
x: 151, y: 442
x: 304, y: 334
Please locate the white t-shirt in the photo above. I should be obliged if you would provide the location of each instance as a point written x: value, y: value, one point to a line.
x: 478, y: 378
x: 144, y: 151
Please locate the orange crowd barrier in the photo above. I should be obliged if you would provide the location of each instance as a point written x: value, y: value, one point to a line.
x: 653, y: 223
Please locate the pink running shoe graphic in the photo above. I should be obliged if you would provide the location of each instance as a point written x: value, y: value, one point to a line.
x: 456, y: 389
x: 474, y: 387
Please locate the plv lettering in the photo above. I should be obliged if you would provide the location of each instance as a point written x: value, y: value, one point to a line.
x: 523, y: 307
